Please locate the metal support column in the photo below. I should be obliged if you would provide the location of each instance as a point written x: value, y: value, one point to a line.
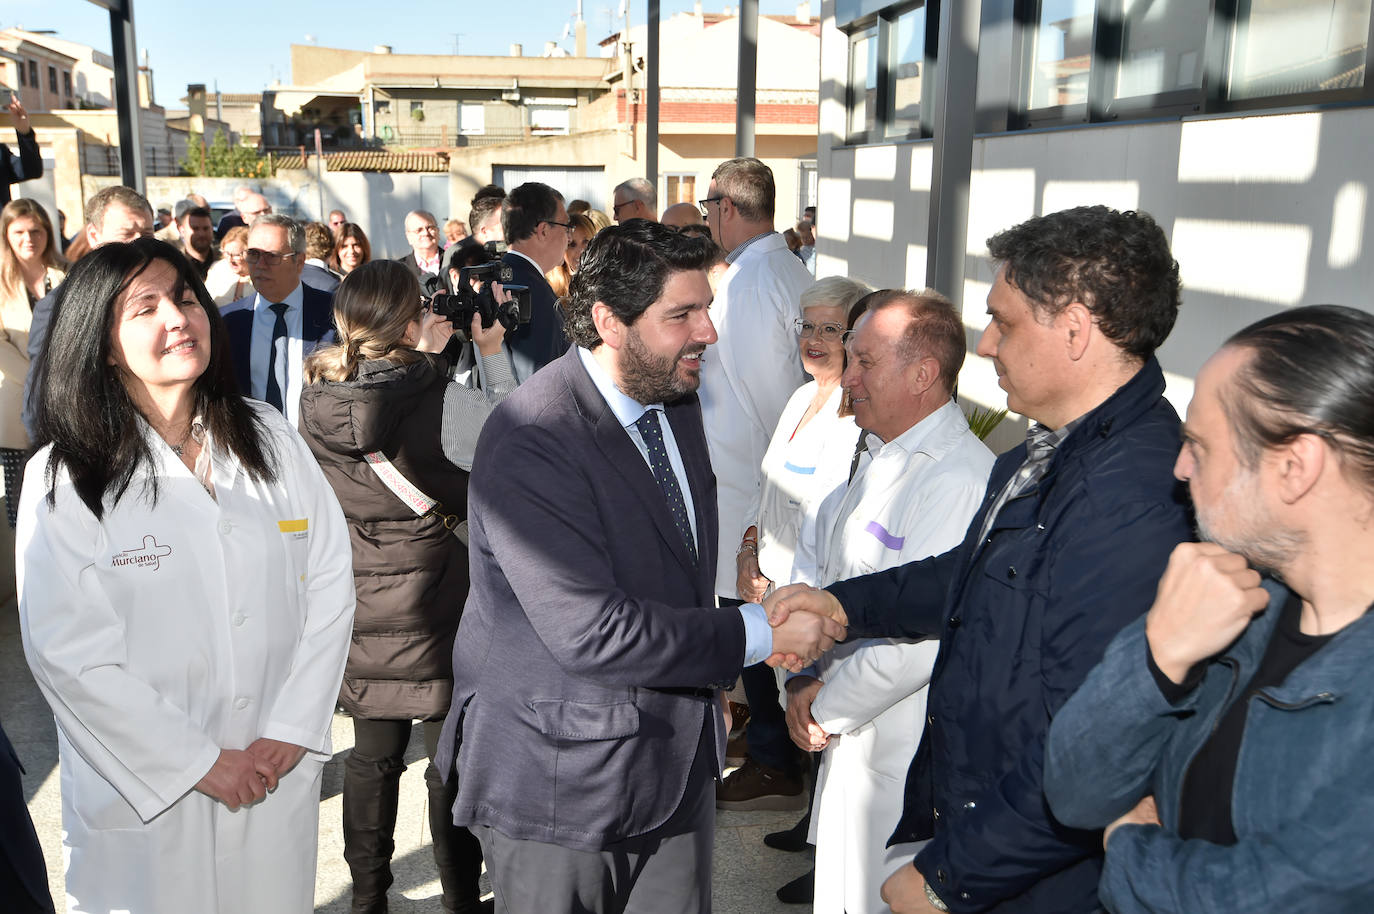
x: 125, y: 55
x: 748, y: 80
x: 651, y: 114
x: 956, y: 81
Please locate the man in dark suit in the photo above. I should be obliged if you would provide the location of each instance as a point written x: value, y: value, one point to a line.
x: 586, y: 714
x: 274, y: 329
x: 422, y: 234
x: 113, y: 214
x: 537, y: 228
x: 23, y: 877
x: 319, y: 247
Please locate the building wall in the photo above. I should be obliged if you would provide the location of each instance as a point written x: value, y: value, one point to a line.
x: 38, y: 97
x: 1264, y: 212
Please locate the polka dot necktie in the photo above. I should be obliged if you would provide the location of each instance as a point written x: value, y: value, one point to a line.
x: 652, y: 434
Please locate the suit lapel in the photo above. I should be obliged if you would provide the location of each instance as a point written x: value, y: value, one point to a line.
x: 626, y: 460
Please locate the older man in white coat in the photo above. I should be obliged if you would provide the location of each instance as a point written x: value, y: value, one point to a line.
x: 747, y: 379
x: 914, y: 491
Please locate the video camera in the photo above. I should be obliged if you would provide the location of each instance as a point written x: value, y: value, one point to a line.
x: 481, y: 267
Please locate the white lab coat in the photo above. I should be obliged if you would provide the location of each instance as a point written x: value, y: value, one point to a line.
x: 161, y: 634
x: 911, y: 498
x: 747, y: 378
x: 799, y: 471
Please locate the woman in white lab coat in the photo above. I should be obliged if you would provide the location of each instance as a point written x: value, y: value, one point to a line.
x: 186, y: 599
x: 812, y: 445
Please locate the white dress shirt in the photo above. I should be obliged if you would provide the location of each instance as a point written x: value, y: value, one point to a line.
x: 747, y: 378
x: 289, y: 362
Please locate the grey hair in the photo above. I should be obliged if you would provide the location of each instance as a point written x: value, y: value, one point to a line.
x: 834, y: 292
x: 641, y: 189
x: 295, y: 231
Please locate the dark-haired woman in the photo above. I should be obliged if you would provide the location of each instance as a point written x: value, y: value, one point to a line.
x: 185, y: 600
x: 395, y: 437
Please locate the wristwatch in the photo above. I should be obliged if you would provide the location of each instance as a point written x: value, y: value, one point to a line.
x: 936, y: 901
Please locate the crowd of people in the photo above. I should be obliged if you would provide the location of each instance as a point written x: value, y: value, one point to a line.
x: 268, y: 475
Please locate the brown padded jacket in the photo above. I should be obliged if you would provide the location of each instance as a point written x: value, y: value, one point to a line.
x: 411, y: 573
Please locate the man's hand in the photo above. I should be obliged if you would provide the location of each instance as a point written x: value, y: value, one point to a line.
x: 781, y: 603
x: 275, y: 758
x: 19, y: 115
x: 1205, y: 600
x: 806, y: 733
x: 235, y: 779
x: 804, y: 636
x: 1144, y: 813
x: 784, y: 601
x: 749, y: 581
x: 905, y: 892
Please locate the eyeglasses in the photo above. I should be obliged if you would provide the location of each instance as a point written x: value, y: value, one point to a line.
x: 848, y: 337
x: 271, y: 258
x: 616, y: 207
x: 424, y: 230
x: 567, y: 226
x: 232, y: 255
x: 828, y: 332
x: 702, y: 203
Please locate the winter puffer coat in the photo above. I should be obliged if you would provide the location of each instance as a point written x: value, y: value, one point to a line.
x: 411, y: 572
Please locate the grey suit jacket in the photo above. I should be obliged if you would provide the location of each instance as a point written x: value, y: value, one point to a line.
x: 589, y: 646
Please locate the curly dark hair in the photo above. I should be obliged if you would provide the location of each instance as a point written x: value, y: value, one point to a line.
x: 1117, y: 264
x: 626, y: 266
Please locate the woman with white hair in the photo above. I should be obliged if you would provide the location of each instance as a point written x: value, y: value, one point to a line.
x: 812, y: 446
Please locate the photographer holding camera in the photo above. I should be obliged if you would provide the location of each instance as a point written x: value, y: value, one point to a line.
x: 395, y: 438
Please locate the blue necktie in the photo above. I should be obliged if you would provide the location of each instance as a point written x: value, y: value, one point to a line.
x: 274, y: 394
x: 652, y: 434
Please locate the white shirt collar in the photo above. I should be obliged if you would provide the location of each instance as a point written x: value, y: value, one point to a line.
x: 626, y: 408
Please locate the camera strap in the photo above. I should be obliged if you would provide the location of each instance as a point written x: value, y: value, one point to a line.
x: 416, y: 500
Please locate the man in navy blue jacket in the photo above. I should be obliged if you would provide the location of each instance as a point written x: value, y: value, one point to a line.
x: 1076, y: 527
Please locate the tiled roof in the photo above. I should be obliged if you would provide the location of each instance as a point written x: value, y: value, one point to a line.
x: 372, y: 160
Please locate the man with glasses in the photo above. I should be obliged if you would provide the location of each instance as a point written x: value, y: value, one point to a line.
x: 747, y: 379
x: 248, y: 205
x: 536, y: 226
x: 336, y: 220
x: 113, y: 214
x: 274, y: 329
x: 634, y: 199
x: 422, y: 234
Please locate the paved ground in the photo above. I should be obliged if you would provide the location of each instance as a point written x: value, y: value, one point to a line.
x: 746, y: 872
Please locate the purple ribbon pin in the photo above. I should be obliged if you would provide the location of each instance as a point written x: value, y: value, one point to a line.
x: 887, y: 539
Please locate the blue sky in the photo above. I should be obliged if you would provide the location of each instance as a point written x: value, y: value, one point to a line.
x: 244, y: 44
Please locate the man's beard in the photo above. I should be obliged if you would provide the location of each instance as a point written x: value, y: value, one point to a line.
x: 650, y: 378
x: 201, y: 248
x: 1264, y: 543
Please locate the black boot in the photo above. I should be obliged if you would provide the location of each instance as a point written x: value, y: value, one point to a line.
x: 370, y: 794
x: 457, y: 853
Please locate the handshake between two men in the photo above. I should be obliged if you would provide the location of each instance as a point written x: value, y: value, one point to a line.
x: 807, y: 622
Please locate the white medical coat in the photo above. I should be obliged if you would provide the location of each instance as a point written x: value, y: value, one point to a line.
x: 747, y: 378
x: 799, y: 471
x: 911, y: 498
x: 160, y: 634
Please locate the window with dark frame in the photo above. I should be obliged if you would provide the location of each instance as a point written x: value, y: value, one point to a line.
x: 52, y: 78
x: 23, y: 78
x: 33, y: 73
x: 1077, y: 61
x: 889, y: 55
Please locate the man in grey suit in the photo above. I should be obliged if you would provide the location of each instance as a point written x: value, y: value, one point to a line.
x: 586, y: 715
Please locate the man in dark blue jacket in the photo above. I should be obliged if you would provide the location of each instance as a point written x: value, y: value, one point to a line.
x: 1075, y: 530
